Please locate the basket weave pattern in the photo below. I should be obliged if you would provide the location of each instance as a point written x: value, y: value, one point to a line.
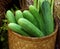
x: 24, y: 4
x: 17, y: 41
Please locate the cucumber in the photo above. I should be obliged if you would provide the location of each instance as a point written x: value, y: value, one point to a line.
x: 40, y: 3
x: 30, y: 17
x: 37, y: 16
x: 30, y: 28
x: 36, y: 4
x: 52, y: 6
x: 48, y: 18
x: 10, y: 17
x: 17, y: 28
x: 18, y: 14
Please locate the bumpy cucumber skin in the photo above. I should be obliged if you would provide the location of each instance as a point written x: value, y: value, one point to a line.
x: 18, y: 14
x: 17, y: 28
x: 10, y: 17
x: 48, y: 18
x: 37, y: 16
x: 30, y: 28
x: 30, y: 17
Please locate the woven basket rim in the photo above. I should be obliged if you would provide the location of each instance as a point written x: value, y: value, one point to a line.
x: 35, y: 38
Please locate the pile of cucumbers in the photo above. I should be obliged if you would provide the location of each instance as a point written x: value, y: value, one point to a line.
x: 30, y: 22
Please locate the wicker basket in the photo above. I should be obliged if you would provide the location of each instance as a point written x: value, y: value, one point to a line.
x: 3, y: 7
x: 24, y: 4
x: 57, y: 13
x: 57, y: 8
x: 2, y: 14
x: 17, y: 41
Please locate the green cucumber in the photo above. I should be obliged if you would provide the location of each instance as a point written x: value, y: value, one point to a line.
x: 36, y: 4
x: 48, y: 18
x: 18, y: 14
x: 30, y: 17
x: 10, y: 17
x: 17, y: 28
x: 30, y: 28
x: 52, y: 6
x: 37, y: 16
x: 40, y: 3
